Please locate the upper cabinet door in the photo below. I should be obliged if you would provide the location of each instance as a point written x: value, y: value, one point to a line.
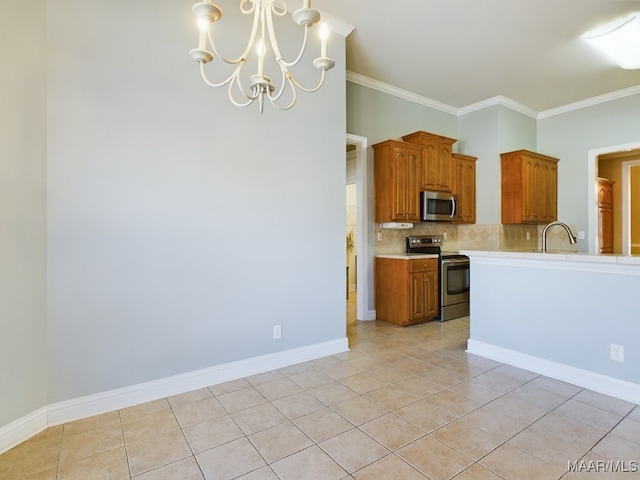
x: 397, y: 168
x: 437, y: 161
x: 529, y: 187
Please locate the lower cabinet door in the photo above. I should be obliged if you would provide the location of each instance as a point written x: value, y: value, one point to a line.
x: 424, y: 295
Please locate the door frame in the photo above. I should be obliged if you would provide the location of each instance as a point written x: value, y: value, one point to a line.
x: 626, y: 205
x: 592, y: 195
x: 363, y: 235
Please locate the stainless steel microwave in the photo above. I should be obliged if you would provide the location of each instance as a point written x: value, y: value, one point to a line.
x: 438, y: 206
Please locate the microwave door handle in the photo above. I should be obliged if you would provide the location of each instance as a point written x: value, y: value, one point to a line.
x: 453, y: 207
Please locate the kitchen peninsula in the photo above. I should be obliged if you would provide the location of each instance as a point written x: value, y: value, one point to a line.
x: 561, y: 315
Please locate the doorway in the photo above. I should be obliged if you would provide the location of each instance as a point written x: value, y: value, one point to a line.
x: 614, y: 162
x: 364, y: 260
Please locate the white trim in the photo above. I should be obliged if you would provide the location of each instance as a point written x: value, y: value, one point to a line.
x: 592, y: 185
x: 22, y: 429
x: 399, y: 92
x: 339, y: 26
x: 365, y: 256
x: 82, y: 407
x: 499, y: 100
x: 589, y: 102
x: 626, y: 205
x: 98, y: 403
x: 584, y: 378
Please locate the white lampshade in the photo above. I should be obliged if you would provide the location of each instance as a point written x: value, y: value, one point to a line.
x: 619, y: 39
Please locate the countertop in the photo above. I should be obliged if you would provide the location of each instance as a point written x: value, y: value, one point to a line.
x: 557, y: 256
x: 408, y: 256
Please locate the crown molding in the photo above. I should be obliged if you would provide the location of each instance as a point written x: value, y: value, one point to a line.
x: 490, y: 102
x: 338, y: 26
x: 499, y: 100
x: 589, y: 102
x: 400, y: 93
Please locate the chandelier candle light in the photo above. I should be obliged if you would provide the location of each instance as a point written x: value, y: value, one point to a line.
x: 261, y: 31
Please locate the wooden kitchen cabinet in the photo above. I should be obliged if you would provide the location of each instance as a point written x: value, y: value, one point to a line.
x: 464, y: 186
x: 406, y: 290
x: 605, y: 215
x: 529, y: 187
x: 437, y: 162
x: 397, y: 167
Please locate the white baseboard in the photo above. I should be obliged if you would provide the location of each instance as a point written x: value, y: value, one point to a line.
x: 96, y: 404
x: 583, y: 378
x: 22, y: 429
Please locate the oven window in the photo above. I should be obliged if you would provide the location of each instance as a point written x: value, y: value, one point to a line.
x: 457, y: 279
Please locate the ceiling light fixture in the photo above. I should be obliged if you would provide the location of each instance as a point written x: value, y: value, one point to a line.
x: 261, y: 32
x: 619, y: 39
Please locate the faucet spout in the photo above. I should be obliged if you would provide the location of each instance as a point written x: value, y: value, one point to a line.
x: 572, y: 239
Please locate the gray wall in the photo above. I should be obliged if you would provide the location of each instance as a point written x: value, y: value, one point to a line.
x: 22, y: 208
x: 173, y: 217
x: 486, y: 134
x: 380, y: 116
x: 558, y: 314
x: 570, y: 136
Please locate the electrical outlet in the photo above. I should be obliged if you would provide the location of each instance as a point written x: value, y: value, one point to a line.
x: 445, y: 236
x: 580, y: 235
x: 617, y: 353
x: 379, y: 236
x: 277, y: 332
x: 528, y: 235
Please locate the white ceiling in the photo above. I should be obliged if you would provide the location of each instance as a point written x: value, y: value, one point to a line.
x: 460, y: 52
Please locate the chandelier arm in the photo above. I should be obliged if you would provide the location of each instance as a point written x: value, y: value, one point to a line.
x: 252, y: 37
x: 233, y: 100
x: 293, y: 100
x: 211, y: 84
x: 309, y: 90
x: 249, y: 10
x: 283, y: 82
x: 241, y: 88
x: 302, y: 49
x: 283, y: 8
x: 276, y: 47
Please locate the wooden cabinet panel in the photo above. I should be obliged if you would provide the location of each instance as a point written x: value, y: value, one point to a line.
x: 529, y: 187
x: 464, y: 186
x: 437, y: 161
x: 605, y: 215
x: 406, y: 291
x: 397, y: 168
x: 605, y: 193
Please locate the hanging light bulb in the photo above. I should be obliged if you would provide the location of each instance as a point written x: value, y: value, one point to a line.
x: 260, y: 85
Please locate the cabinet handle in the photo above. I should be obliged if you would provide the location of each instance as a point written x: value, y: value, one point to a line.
x: 399, y: 154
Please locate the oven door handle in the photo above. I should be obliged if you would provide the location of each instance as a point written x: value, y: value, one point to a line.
x: 453, y: 261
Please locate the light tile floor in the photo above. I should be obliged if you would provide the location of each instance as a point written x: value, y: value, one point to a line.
x: 403, y: 403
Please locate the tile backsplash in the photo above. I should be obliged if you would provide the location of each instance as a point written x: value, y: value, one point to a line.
x: 517, y: 238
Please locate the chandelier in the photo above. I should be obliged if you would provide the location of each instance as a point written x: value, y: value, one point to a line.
x: 260, y: 85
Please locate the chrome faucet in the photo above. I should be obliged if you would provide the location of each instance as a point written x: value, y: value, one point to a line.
x: 572, y: 240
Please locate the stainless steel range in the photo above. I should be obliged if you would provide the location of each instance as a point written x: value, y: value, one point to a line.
x: 453, y: 273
